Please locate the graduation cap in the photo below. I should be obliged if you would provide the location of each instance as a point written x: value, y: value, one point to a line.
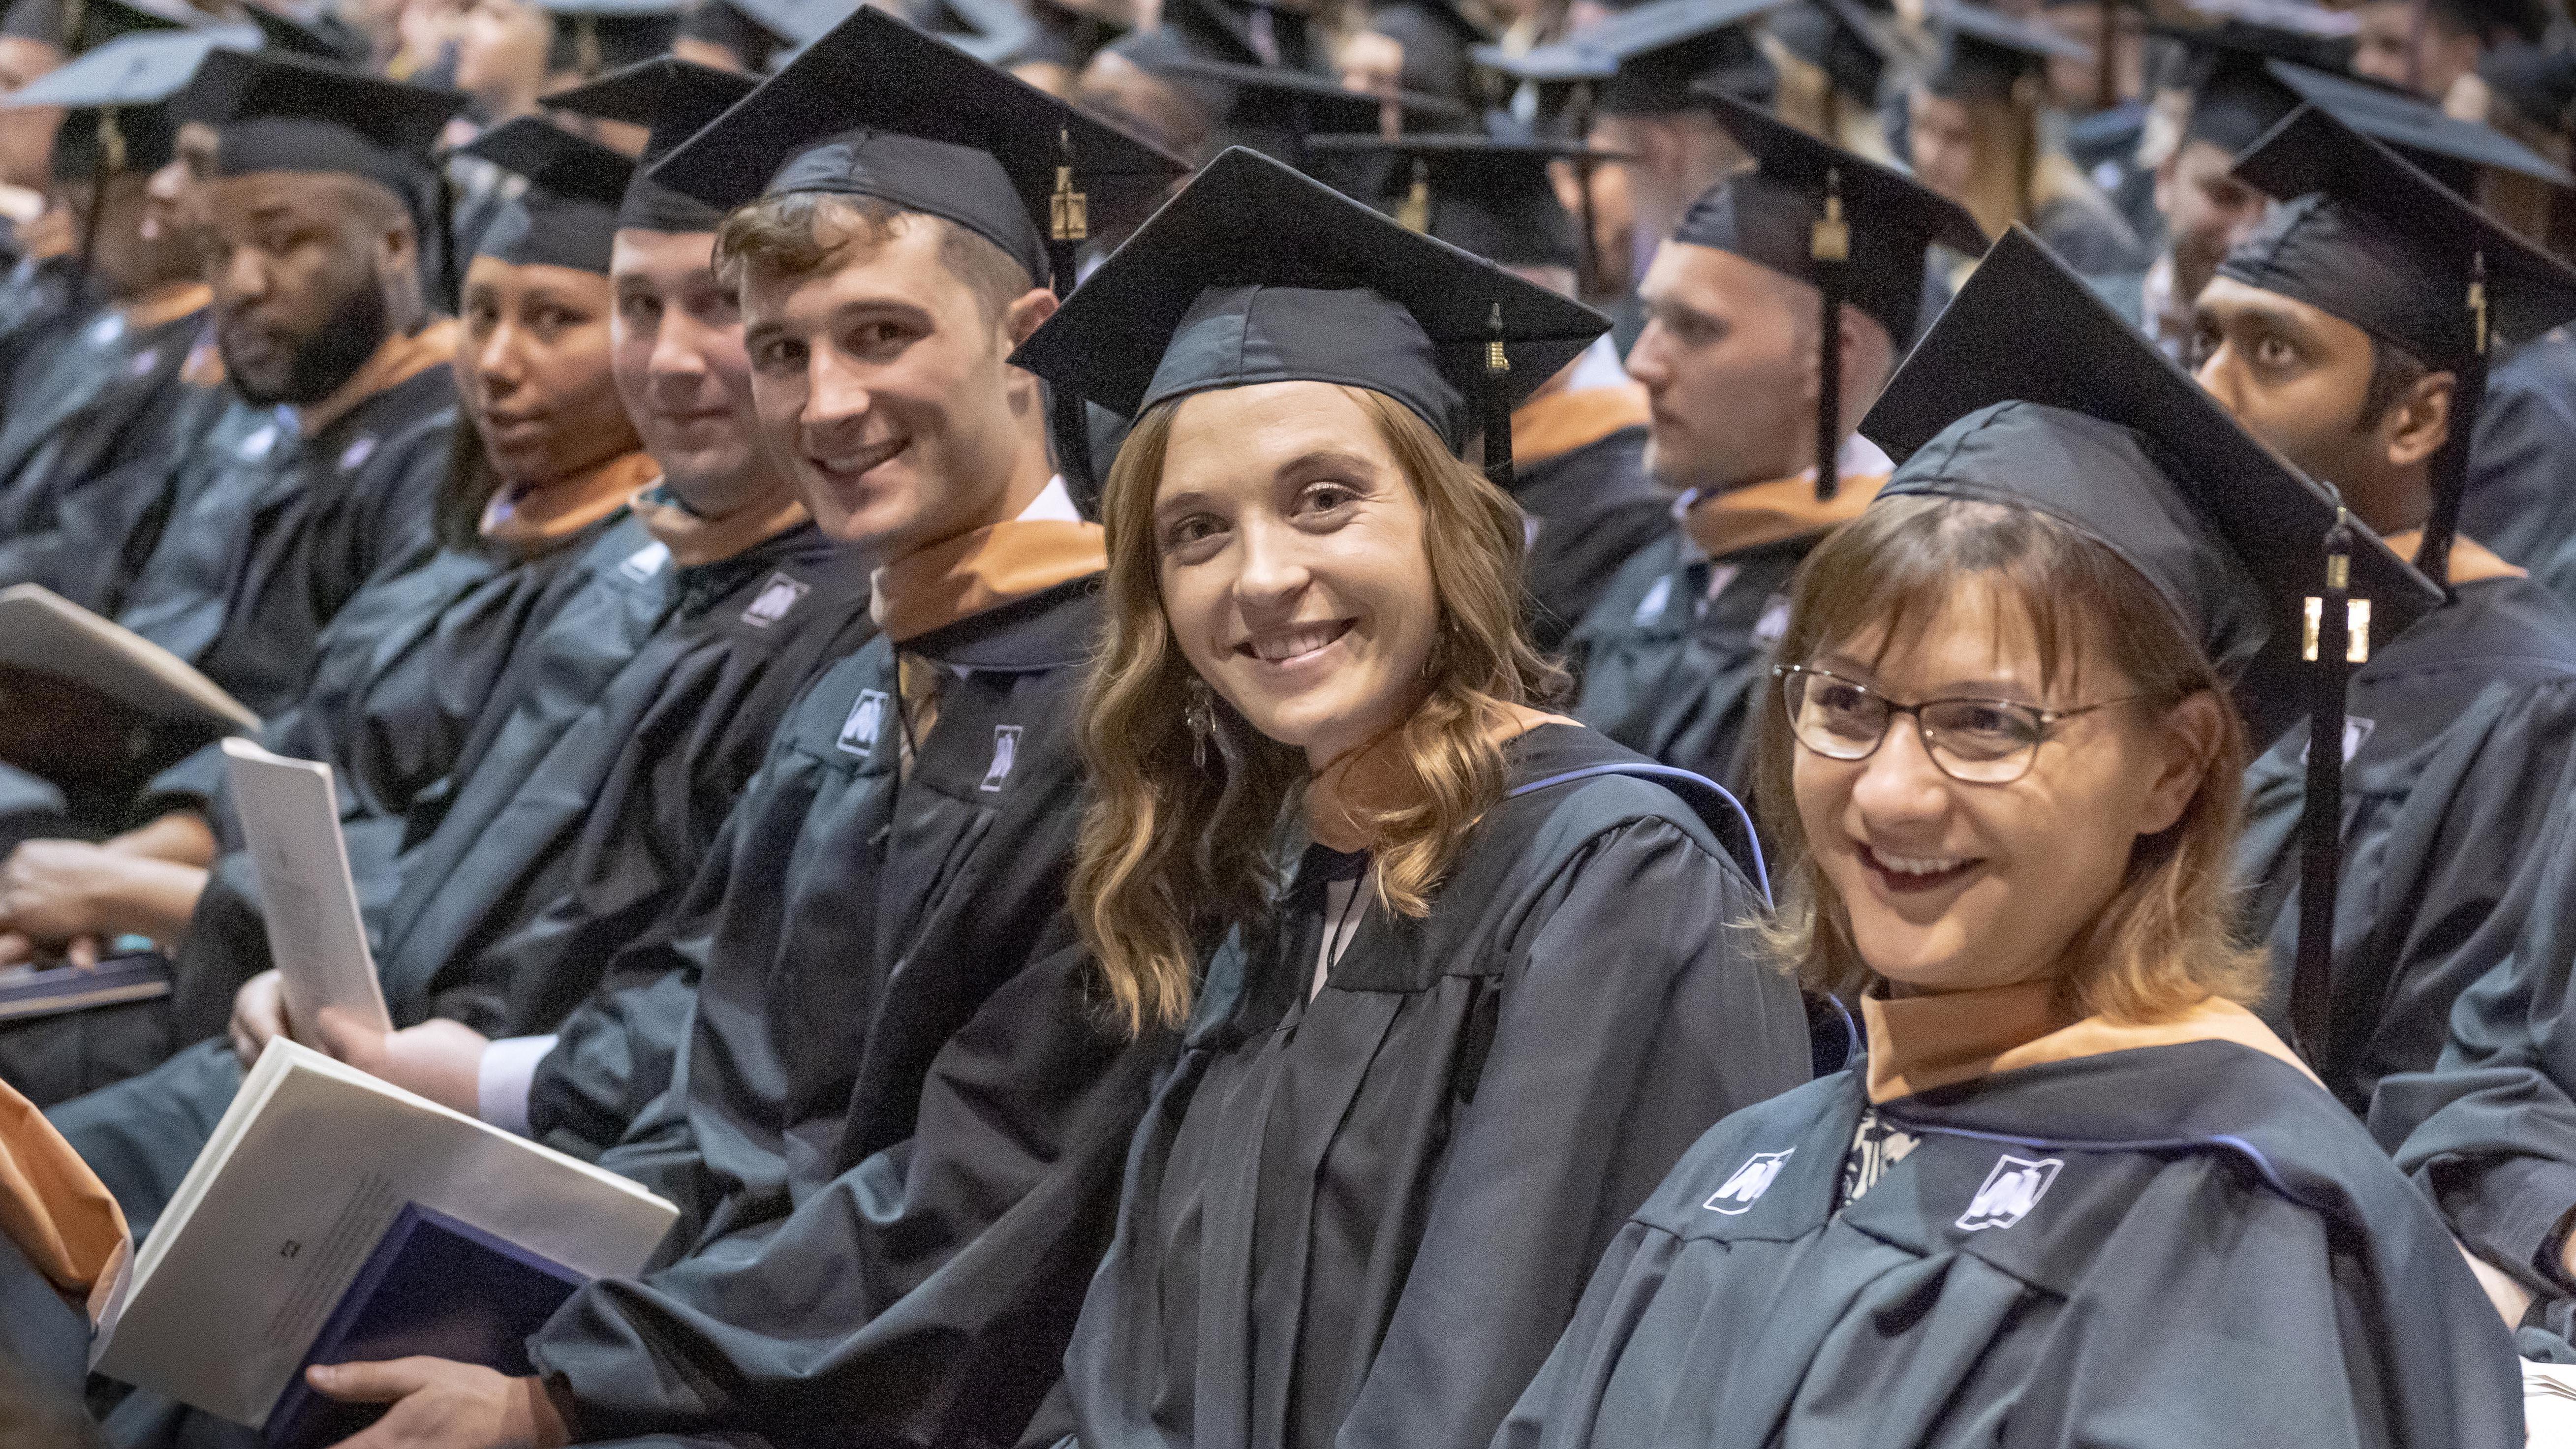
x: 1278, y: 109
x: 1244, y: 32
x: 1853, y: 229
x: 1439, y: 41
x: 2443, y: 146
x: 115, y: 97
x: 568, y: 216
x: 996, y: 32
x: 1256, y: 273
x: 1850, y: 43
x: 1986, y: 54
x: 876, y: 108
x: 591, y: 36
x: 2367, y: 237
x: 757, y: 30
x: 322, y: 39
x: 2031, y: 391
x: 273, y: 112
x: 1481, y: 193
x: 674, y: 99
x: 1648, y: 59
x: 78, y: 26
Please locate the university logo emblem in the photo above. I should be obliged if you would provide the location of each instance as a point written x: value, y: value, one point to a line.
x: 1774, y: 621
x: 1651, y: 607
x: 776, y: 597
x: 143, y: 362
x: 1006, y: 753
x: 645, y: 562
x: 355, y: 456
x: 2010, y: 1192
x: 859, y: 731
x: 1748, y: 1184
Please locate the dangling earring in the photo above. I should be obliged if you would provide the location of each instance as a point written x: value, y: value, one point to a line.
x: 1200, y: 716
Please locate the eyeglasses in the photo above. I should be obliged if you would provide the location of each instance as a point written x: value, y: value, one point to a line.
x: 1973, y: 741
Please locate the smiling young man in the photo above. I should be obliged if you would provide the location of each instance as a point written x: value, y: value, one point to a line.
x: 2343, y: 333
x: 1673, y: 656
x: 895, y: 1106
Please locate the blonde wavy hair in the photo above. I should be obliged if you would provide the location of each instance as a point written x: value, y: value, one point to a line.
x: 1174, y: 852
x: 2166, y: 939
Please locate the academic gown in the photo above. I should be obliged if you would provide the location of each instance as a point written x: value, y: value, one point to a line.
x: 2517, y: 501
x: 402, y: 671
x: 94, y: 402
x: 1676, y: 655
x: 571, y: 820
x: 97, y: 532
x: 1362, y: 1219
x: 269, y: 538
x: 898, y: 1069
x: 2104, y: 146
x: 2451, y: 725
x: 2185, y: 1244
x: 1579, y: 465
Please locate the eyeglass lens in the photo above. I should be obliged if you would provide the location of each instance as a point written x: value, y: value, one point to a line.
x: 1972, y: 740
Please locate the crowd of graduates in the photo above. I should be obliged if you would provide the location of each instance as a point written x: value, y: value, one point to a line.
x: 1235, y: 724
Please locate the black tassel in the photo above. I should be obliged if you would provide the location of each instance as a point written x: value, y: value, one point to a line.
x: 1830, y: 246
x: 1496, y: 407
x: 2330, y: 650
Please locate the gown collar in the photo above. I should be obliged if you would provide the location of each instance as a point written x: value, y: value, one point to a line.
x: 1920, y: 1043
x: 987, y: 568
x: 397, y: 360
x: 694, y: 539
x: 1341, y: 799
x: 529, y: 522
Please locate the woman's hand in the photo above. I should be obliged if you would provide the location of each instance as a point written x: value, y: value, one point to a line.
x: 259, y: 1012
x: 441, y: 1404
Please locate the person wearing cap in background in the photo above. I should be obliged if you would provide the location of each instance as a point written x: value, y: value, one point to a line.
x: 1579, y: 440
x: 1835, y: 58
x: 2104, y: 105
x: 1274, y: 109
x: 1425, y: 46
x: 2433, y: 47
x: 2077, y: 1193
x: 91, y: 427
x: 403, y: 668
x: 1973, y: 132
x: 1748, y: 383
x: 2346, y: 333
x: 1511, y: 976
x: 896, y: 1089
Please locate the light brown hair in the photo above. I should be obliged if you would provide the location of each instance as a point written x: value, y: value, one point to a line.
x: 1174, y: 853
x: 798, y: 234
x: 2166, y: 939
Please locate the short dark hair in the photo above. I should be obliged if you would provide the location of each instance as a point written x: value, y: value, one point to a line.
x: 796, y: 234
x: 2394, y: 371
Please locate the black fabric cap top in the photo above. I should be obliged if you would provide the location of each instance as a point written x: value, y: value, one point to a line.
x: 323, y: 41
x: 134, y: 75
x: 281, y: 113
x: 1255, y: 273
x: 2031, y: 390
x: 1842, y: 38
x: 1986, y: 53
x: 2373, y: 240
x: 876, y: 108
x: 93, y: 23
x: 1768, y: 215
x: 996, y: 32
x: 1227, y: 30
x: 592, y: 36
x: 568, y: 215
x: 1438, y: 44
x: 1263, y: 99
x: 674, y: 98
x: 1652, y: 55
x: 2443, y: 146
x: 1484, y: 195
x: 793, y: 24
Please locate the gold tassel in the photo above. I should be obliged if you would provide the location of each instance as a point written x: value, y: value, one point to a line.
x: 1415, y: 214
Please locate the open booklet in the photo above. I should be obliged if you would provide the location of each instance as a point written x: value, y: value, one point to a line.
x: 304, y: 1177
x: 84, y: 699
x: 291, y: 815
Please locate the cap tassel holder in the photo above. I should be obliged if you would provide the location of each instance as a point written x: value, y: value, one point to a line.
x: 1498, y: 412
x: 1068, y: 227
x: 1415, y: 214
x: 2333, y: 645
x: 2451, y: 465
x: 1830, y: 247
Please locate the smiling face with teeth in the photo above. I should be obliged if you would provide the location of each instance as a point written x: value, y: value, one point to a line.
x: 1951, y: 886
x: 1293, y: 563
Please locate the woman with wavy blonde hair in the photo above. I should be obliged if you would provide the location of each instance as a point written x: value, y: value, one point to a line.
x: 1459, y: 979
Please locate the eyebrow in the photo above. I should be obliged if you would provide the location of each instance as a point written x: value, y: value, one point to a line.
x: 1846, y: 666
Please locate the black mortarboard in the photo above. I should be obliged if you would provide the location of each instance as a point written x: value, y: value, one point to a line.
x: 274, y: 112
x: 2029, y: 390
x: 1649, y: 58
x: 2369, y: 238
x: 876, y: 108
x: 2443, y: 146
x: 1479, y: 193
x: 1438, y: 42
x: 996, y: 32
x: 757, y: 30
x: 1256, y: 273
x: 1244, y: 32
x: 1843, y: 38
x: 115, y: 98
x: 77, y: 26
x: 1986, y: 53
x: 591, y: 36
x: 568, y: 215
x: 1275, y: 108
x: 1853, y: 229
x: 322, y: 38
x: 675, y: 99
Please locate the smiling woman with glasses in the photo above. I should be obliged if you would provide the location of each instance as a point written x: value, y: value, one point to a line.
x: 2077, y: 1193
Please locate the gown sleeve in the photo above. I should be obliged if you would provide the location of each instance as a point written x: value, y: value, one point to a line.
x: 927, y: 1292
x: 1637, y: 1014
